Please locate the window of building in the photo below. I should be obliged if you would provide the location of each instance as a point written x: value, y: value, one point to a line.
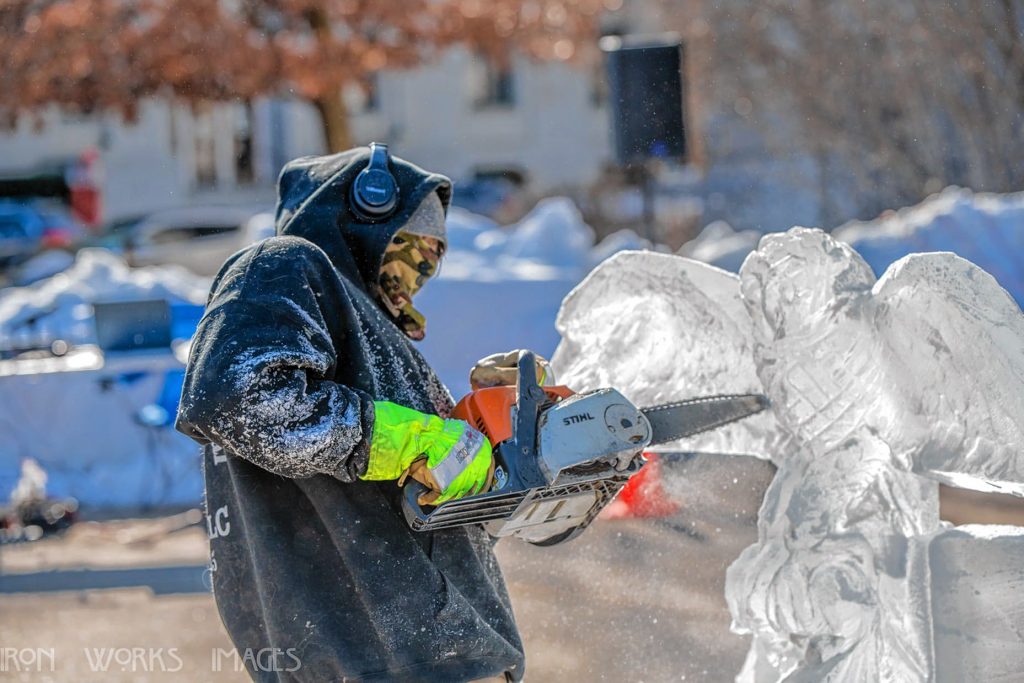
x: 598, y: 83
x: 205, y: 145
x: 599, y: 87
x: 372, y: 99
x: 70, y: 116
x: 492, y: 84
x: 244, y: 170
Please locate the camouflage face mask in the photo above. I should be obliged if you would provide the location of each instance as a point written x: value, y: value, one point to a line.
x: 409, y: 261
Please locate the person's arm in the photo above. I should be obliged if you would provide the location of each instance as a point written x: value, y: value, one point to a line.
x: 257, y: 382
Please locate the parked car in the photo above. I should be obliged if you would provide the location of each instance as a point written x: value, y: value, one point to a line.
x: 199, y: 238
x: 29, y: 227
x: 497, y: 198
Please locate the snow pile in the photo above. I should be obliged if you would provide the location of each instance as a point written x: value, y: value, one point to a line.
x: 500, y: 288
x: 59, y: 306
x: 986, y: 229
x: 621, y: 240
x: 871, y: 383
x: 720, y: 245
x: 87, y: 429
x: 463, y: 227
x: 46, y: 264
x: 553, y: 233
x: 81, y: 416
x: 552, y: 242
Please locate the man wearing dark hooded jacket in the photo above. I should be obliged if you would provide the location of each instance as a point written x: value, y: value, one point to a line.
x: 310, y: 399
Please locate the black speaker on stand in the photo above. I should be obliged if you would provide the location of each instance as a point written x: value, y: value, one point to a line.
x: 645, y: 82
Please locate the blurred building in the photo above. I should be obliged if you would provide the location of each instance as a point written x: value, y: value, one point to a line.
x: 543, y: 124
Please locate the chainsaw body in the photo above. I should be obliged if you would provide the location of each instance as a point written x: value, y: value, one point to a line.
x: 560, y: 457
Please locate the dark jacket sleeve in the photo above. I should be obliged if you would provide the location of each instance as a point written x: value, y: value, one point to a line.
x: 257, y: 379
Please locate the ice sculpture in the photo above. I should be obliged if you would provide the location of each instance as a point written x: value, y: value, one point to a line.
x: 920, y: 371
x: 873, y: 384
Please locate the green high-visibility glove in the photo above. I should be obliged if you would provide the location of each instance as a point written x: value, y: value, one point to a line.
x: 458, y: 457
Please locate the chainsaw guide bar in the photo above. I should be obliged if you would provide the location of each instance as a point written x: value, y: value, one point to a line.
x: 679, y: 420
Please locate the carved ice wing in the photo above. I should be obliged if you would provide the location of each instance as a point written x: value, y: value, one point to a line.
x: 953, y: 342
x: 659, y: 328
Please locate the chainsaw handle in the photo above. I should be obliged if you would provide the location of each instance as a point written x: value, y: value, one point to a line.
x: 411, y: 508
x: 523, y: 439
x: 414, y: 513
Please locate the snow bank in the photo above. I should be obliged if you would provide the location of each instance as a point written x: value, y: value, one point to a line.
x: 79, y: 415
x: 44, y: 265
x: 552, y: 242
x: 721, y: 246
x: 85, y: 428
x: 500, y: 288
x: 872, y: 383
x: 621, y: 240
x: 553, y: 233
x: 464, y: 227
x: 986, y: 229
x: 469, y: 320
x: 58, y: 307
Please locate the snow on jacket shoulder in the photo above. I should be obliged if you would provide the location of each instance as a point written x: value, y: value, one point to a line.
x: 317, y: 576
x: 262, y: 387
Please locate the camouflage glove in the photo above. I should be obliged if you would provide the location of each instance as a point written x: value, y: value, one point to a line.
x: 501, y: 369
x: 448, y: 456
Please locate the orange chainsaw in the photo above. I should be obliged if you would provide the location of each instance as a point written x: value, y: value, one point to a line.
x: 561, y: 456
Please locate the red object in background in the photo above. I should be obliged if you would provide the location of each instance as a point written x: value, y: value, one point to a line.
x: 57, y: 238
x: 84, y: 179
x: 643, y: 495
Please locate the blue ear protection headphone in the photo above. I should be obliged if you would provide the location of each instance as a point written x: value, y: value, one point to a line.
x: 374, y: 194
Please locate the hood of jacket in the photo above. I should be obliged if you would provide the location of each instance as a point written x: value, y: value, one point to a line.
x: 313, y: 203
